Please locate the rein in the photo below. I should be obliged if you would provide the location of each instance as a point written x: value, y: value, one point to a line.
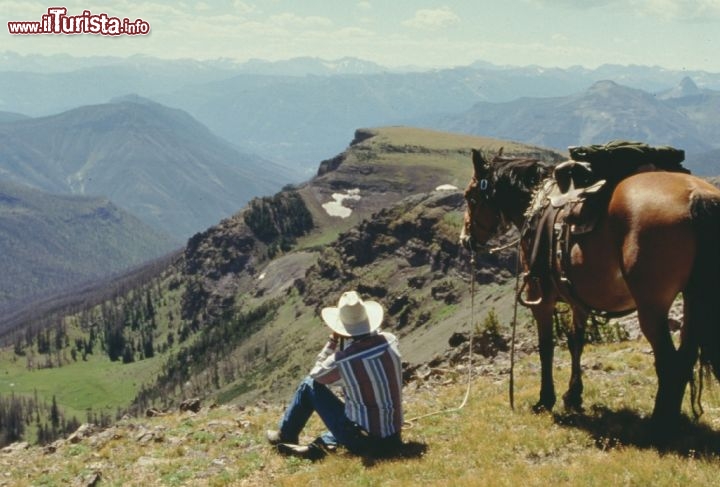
x: 409, y: 422
x: 511, y: 385
x: 517, y: 242
x: 495, y: 250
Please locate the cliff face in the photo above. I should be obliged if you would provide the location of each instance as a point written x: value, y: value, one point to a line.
x: 217, y: 260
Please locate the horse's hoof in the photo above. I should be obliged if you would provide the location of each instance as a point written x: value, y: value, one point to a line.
x: 574, y: 408
x: 573, y: 405
x: 539, y: 408
x: 663, y: 428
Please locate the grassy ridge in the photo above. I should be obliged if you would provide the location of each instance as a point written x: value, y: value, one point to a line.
x: 485, y: 443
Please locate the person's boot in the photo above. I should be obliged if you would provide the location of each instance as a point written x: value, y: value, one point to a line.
x: 309, y: 452
x: 274, y: 437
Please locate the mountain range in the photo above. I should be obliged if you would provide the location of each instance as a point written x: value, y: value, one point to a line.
x: 685, y: 117
x: 301, y: 119
x: 158, y: 163
x: 300, y: 111
x: 233, y: 316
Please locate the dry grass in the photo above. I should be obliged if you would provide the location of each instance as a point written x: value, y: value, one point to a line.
x: 483, y: 444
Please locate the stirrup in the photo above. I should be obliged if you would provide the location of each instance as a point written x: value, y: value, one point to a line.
x: 519, y: 295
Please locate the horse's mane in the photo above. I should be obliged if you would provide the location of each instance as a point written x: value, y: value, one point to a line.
x: 520, y: 173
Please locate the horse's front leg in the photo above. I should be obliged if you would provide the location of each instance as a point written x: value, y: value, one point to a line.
x: 543, y: 314
x: 576, y: 341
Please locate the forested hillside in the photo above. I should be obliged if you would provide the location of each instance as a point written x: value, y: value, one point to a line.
x: 50, y: 243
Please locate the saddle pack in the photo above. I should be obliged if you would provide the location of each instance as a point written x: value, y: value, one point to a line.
x: 570, y: 203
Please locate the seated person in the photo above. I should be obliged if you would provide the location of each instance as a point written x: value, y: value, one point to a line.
x: 365, y: 362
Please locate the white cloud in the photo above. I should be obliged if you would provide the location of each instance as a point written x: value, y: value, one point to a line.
x: 666, y: 32
x: 433, y: 19
x: 19, y: 10
x: 291, y: 20
x: 683, y: 10
x: 575, y: 4
x: 241, y: 7
x: 667, y: 10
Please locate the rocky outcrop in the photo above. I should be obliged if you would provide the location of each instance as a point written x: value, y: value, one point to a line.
x: 329, y: 165
x: 218, y: 258
x: 277, y: 221
x: 362, y: 135
x: 223, y: 250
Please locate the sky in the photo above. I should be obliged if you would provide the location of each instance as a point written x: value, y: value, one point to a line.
x: 675, y: 34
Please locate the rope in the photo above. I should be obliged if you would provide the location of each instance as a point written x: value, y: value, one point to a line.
x: 409, y: 422
x: 511, y: 385
x: 495, y: 250
x: 518, y: 242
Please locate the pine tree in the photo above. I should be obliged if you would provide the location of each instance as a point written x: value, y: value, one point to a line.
x: 54, y: 416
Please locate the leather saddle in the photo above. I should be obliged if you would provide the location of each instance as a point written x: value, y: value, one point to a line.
x: 568, y: 205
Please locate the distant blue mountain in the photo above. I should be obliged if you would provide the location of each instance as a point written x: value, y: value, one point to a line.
x: 159, y: 163
x: 686, y: 118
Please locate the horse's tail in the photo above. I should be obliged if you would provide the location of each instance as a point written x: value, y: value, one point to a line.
x: 704, y: 285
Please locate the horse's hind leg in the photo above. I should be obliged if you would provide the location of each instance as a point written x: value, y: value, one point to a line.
x: 576, y: 341
x: 671, y: 381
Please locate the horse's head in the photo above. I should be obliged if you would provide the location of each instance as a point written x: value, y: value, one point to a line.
x: 482, y: 217
x: 498, y: 195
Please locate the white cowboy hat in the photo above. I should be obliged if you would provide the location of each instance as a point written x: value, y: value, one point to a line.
x: 353, y: 316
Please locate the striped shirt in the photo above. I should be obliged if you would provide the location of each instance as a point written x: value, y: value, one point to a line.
x: 370, y: 373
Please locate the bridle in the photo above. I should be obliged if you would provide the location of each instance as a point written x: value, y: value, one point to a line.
x: 482, y: 191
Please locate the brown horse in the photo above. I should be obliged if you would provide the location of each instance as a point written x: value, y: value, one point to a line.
x: 658, y: 235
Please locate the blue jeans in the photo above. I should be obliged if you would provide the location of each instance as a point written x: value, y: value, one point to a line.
x: 312, y: 396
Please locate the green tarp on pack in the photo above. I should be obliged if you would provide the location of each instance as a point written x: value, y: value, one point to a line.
x: 620, y: 157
